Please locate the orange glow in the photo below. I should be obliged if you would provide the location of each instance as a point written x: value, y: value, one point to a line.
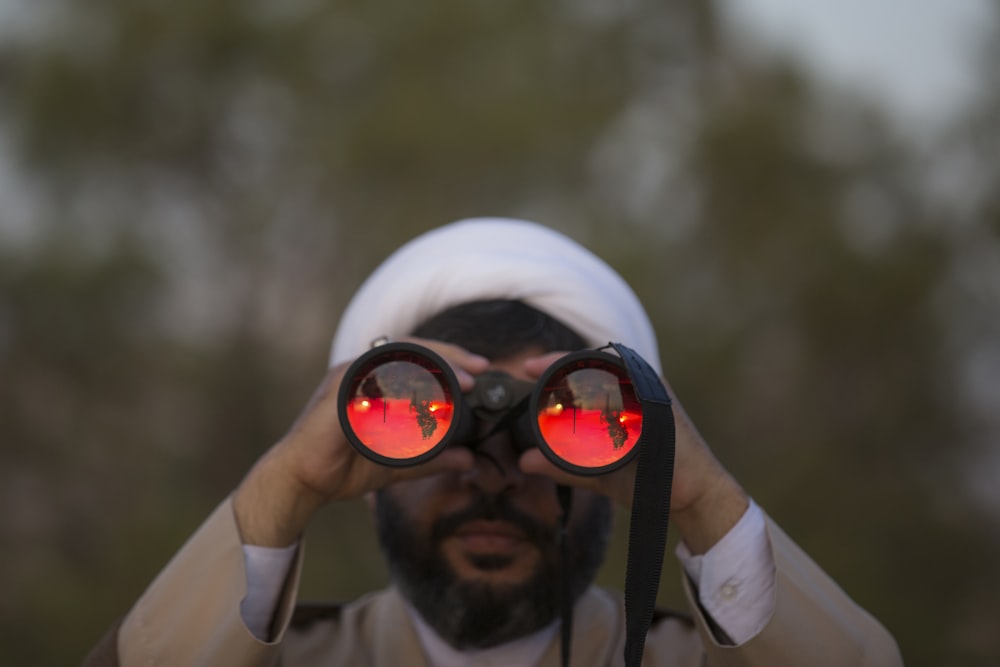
x: 391, y: 427
x: 585, y: 440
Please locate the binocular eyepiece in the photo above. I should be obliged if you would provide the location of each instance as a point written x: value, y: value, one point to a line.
x: 400, y: 404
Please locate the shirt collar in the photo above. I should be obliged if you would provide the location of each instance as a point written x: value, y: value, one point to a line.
x: 527, y: 650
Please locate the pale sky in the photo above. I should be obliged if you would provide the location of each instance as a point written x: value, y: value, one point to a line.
x: 916, y: 55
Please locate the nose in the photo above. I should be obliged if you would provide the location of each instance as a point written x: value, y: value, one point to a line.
x: 496, y: 469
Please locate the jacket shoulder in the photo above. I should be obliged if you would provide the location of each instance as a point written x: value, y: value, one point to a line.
x: 307, y: 614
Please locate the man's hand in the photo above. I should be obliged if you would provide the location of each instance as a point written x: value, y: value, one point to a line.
x: 705, y: 499
x: 314, y: 464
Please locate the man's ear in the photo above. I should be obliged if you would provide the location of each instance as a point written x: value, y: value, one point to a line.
x: 370, y: 500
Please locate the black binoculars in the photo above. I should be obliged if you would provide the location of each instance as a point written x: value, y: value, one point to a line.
x: 400, y: 404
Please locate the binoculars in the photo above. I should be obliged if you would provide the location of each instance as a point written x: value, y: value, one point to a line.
x: 400, y: 404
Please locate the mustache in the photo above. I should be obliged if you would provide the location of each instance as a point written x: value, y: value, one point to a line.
x: 493, y: 508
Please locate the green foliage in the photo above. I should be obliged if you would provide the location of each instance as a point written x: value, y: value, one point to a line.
x: 216, y: 178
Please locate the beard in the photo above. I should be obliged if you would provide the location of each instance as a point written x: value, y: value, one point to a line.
x: 477, y: 614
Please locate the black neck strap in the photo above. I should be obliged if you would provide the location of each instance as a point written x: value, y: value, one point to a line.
x: 650, y: 502
x: 565, y: 495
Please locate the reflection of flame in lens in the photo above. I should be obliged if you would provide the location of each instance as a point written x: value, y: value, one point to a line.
x: 401, y: 406
x: 589, y: 414
x: 585, y: 440
x: 392, y: 428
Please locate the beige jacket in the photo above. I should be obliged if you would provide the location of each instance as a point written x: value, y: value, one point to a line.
x: 189, y: 617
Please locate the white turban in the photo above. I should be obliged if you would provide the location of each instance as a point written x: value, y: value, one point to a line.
x: 495, y: 258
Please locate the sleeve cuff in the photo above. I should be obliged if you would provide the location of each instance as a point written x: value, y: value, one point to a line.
x: 267, y: 571
x: 735, y: 579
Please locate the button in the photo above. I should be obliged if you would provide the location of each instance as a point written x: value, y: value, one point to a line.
x: 730, y: 589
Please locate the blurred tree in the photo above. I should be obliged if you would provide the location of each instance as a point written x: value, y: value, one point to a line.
x: 960, y: 175
x: 815, y: 271
x: 209, y: 183
x: 805, y: 288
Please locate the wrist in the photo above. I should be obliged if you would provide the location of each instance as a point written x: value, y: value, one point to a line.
x: 272, y: 509
x: 712, y: 514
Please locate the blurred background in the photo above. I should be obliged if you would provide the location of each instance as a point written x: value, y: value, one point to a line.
x: 805, y: 197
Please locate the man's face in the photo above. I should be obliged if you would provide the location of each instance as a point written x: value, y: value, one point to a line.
x: 477, y: 554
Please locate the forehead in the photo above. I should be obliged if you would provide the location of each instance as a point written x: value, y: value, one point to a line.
x: 499, y: 328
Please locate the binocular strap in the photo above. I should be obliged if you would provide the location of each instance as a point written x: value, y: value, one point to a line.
x: 650, y: 504
x: 565, y: 495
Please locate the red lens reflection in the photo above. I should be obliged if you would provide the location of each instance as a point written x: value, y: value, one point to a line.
x: 400, y: 409
x: 589, y: 415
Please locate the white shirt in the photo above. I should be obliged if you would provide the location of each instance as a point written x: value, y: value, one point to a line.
x: 734, y: 580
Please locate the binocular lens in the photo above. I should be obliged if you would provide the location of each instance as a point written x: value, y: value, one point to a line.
x: 401, y: 405
x: 588, y: 414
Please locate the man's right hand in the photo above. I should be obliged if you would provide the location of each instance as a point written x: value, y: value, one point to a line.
x: 314, y: 464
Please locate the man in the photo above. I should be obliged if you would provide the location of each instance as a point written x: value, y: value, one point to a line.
x: 471, y: 536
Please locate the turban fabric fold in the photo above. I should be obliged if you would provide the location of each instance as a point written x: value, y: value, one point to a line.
x: 494, y: 258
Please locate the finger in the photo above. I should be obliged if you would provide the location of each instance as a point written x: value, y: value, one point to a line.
x: 452, y: 459
x: 320, y: 412
x: 616, y: 485
x: 466, y: 365
x: 535, y: 366
x: 533, y: 462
